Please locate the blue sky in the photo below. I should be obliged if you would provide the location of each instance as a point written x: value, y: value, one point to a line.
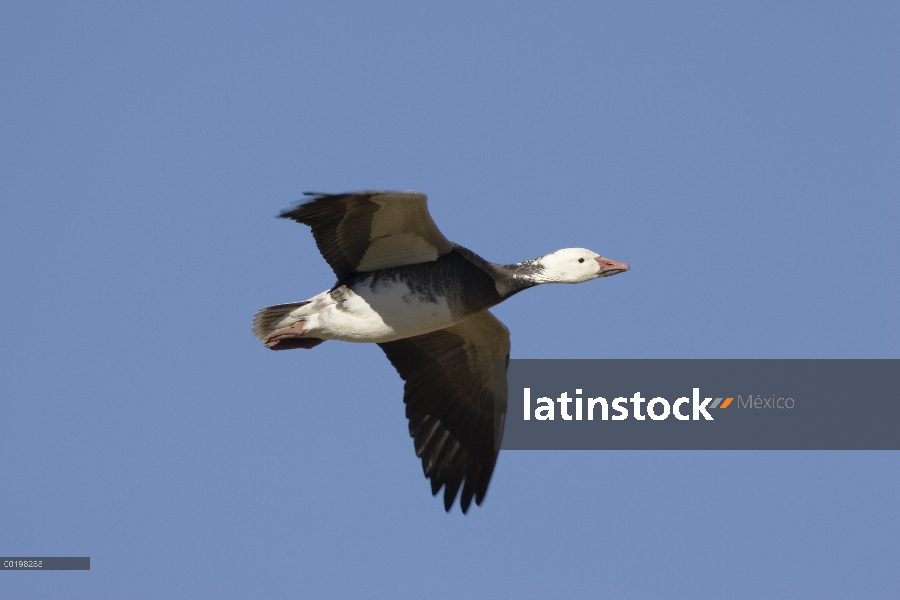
x: 741, y: 157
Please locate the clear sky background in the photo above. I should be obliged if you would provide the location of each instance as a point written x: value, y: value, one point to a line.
x: 744, y: 158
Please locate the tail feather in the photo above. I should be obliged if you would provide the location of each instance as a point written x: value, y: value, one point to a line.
x: 267, y: 319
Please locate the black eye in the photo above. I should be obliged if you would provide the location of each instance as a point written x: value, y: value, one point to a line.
x: 580, y: 260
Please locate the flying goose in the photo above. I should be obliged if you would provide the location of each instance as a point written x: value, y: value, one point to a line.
x: 404, y: 286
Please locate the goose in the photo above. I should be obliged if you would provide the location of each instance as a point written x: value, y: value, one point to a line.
x: 424, y: 300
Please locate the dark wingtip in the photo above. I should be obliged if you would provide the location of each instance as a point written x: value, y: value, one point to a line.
x: 284, y: 213
x: 465, y: 497
x: 310, y: 197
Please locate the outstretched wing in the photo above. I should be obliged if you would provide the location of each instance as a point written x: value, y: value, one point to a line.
x: 449, y: 396
x: 367, y: 231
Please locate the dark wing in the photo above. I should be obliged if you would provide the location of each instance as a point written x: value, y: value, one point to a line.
x: 367, y: 231
x: 449, y: 396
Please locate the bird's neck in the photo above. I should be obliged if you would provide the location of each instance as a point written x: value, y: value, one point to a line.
x: 519, y: 276
x: 507, y: 279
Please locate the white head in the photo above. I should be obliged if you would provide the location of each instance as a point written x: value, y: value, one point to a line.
x: 574, y: 265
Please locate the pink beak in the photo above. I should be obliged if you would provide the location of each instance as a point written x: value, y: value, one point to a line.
x: 610, y: 267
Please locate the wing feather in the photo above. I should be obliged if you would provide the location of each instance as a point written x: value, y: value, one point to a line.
x: 365, y: 231
x: 449, y: 394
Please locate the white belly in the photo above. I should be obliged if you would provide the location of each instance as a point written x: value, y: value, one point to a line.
x: 387, y: 312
